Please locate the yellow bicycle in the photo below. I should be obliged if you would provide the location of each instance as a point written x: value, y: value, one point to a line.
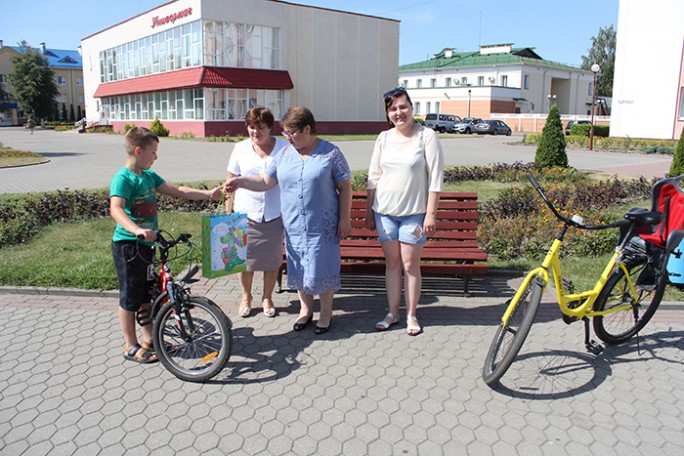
x: 623, y: 300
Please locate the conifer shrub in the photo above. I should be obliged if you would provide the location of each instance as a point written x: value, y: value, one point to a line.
x: 677, y: 166
x: 551, y: 146
x: 158, y: 128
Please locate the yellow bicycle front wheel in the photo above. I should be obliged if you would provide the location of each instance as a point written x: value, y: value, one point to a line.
x: 511, y: 335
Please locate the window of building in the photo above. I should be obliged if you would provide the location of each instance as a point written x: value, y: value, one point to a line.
x: 419, y: 83
x: 3, y: 79
x: 405, y: 83
x: 79, y: 81
x: 526, y: 81
x: 433, y: 82
x: 60, y: 80
x: 504, y: 80
x: 178, y: 47
x: 464, y: 80
x: 437, y: 106
x: 221, y: 104
x: 427, y: 106
x: 480, y: 80
x: 241, y: 45
x: 417, y: 109
x: 590, y: 90
x: 681, y: 103
x: 448, y: 82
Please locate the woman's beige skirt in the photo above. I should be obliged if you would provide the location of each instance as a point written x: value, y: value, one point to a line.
x: 265, y: 245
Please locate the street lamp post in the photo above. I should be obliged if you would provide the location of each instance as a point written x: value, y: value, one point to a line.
x: 595, y: 68
x: 468, y: 103
x: 552, y: 100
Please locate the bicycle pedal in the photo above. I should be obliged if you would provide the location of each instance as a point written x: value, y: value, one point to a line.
x: 568, y: 319
x: 594, y: 348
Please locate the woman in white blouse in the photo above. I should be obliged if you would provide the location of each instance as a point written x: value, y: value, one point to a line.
x: 265, y: 231
x: 404, y: 182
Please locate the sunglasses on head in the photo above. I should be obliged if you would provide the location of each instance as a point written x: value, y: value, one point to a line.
x: 391, y: 93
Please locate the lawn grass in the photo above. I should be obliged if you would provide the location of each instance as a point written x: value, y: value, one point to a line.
x: 78, y: 255
x: 10, y: 157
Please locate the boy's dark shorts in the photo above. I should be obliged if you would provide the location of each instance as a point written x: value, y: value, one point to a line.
x: 132, y: 261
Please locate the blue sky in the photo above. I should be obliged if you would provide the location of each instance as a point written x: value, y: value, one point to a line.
x: 559, y: 30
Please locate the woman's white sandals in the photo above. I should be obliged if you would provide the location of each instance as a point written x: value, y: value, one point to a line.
x: 390, y: 319
x: 412, y: 326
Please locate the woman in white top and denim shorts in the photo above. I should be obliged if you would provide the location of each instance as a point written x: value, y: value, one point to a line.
x: 404, y: 182
x: 265, y: 230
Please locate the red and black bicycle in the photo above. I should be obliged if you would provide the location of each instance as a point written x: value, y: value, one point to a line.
x: 192, y: 336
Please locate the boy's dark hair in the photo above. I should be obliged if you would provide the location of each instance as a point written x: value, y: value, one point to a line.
x: 139, y: 137
x: 299, y: 117
x: 259, y: 116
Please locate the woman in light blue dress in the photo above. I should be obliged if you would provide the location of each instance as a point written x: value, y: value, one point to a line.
x: 315, y: 191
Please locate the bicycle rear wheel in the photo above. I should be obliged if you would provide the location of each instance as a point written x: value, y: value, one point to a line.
x: 510, y: 336
x: 618, y: 327
x: 195, y: 345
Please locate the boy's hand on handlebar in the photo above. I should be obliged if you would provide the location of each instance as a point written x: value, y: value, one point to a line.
x: 147, y: 235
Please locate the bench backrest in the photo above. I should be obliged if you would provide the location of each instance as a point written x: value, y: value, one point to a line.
x: 457, y: 218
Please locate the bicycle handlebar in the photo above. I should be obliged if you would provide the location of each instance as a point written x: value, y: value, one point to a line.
x: 566, y: 220
x: 167, y: 244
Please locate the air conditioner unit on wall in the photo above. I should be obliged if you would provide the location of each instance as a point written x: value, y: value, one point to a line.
x: 492, y: 79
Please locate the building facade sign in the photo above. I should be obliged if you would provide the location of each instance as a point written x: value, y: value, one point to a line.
x: 171, y: 18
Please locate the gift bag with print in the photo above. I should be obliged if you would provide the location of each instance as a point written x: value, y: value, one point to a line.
x: 224, y: 244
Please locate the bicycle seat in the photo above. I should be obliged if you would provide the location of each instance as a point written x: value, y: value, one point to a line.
x: 643, y: 216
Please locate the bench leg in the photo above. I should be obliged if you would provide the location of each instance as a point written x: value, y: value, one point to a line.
x: 466, y: 292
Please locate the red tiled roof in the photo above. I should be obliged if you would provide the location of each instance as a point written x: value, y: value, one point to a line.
x: 240, y: 78
x: 235, y: 78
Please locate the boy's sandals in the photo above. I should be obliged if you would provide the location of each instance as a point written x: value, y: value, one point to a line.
x: 269, y: 309
x: 390, y: 319
x: 150, y: 347
x: 140, y: 355
x: 245, y: 308
x: 412, y: 326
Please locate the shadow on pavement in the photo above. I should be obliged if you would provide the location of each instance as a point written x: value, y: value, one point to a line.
x: 559, y: 374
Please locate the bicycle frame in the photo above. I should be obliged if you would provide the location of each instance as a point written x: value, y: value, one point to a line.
x: 586, y: 298
x: 168, y: 286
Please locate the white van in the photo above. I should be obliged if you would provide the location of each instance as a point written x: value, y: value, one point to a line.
x: 442, y: 122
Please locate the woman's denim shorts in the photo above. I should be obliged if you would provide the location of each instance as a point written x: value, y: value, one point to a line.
x: 407, y: 229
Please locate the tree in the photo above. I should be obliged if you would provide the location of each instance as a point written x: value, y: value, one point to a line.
x: 677, y: 166
x: 551, y: 146
x: 33, y: 82
x: 602, y: 52
x: 4, y: 98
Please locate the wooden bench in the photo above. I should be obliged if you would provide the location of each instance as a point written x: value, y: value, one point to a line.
x: 452, y: 250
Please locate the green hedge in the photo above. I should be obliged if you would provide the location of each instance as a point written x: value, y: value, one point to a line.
x: 602, y: 131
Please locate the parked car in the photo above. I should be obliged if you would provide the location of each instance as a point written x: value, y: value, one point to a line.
x: 467, y: 125
x: 442, y: 122
x: 492, y: 127
x: 573, y: 122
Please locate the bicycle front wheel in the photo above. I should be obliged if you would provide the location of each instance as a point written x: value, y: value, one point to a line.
x: 511, y: 335
x: 618, y: 327
x: 195, y: 345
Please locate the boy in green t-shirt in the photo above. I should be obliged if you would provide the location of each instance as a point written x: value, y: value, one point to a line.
x: 133, y: 205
